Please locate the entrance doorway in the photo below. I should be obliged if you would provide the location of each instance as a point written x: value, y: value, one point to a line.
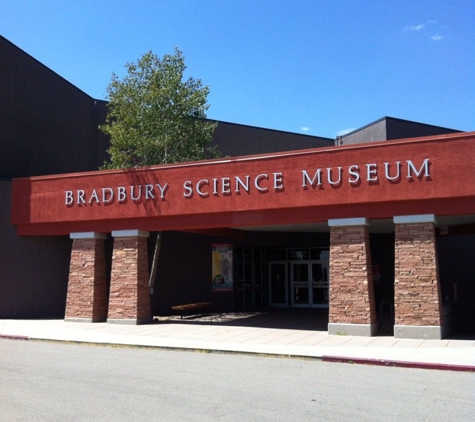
x: 278, y: 292
x: 309, y: 284
x: 250, y: 286
x: 298, y: 277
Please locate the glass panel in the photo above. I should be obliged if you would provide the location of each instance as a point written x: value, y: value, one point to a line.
x: 239, y: 253
x: 276, y: 254
x: 248, y: 298
x: 319, y: 254
x: 320, y: 284
x: 298, y: 254
x: 258, y: 275
x: 320, y: 296
x: 240, y: 275
x: 258, y: 298
x: 248, y: 275
x: 249, y: 278
x: 277, y: 280
x: 318, y: 275
x: 248, y: 254
x: 325, y: 255
x: 300, y: 272
x: 301, y: 295
x: 300, y: 283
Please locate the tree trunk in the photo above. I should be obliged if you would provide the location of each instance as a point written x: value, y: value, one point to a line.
x: 156, y: 253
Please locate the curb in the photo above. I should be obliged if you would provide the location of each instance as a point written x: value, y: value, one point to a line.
x: 14, y: 337
x: 177, y: 349
x: 400, y: 364
x: 324, y: 358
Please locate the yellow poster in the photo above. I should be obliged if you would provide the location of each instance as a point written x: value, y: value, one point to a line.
x: 222, y: 267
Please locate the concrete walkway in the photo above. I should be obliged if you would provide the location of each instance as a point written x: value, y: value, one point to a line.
x: 291, y: 334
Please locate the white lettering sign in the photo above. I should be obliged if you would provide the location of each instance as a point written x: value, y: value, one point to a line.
x: 321, y: 177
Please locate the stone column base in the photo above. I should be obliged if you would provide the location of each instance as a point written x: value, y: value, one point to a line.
x: 83, y: 320
x: 86, y: 299
x: 432, y: 332
x: 365, y: 330
x: 129, y: 321
x: 129, y: 295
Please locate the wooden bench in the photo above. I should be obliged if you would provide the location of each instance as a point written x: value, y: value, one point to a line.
x: 189, y: 307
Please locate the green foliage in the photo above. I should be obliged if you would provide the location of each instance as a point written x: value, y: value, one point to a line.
x: 155, y: 116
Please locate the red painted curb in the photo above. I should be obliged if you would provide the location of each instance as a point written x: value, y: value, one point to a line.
x: 400, y: 364
x: 13, y: 337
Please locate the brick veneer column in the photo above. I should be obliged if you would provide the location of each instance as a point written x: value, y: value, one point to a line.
x: 129, y: 300
x: 87, y: 287
x: 352, y: 306
x: 417, y: 296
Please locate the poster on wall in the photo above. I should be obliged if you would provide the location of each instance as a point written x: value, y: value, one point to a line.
x: 222, y: 263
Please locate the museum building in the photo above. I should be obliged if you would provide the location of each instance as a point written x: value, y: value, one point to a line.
x: 377, y: 224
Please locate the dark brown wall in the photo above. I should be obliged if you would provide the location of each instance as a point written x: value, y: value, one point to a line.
x: 33, y: 270
x: 389, y: 128
x: 235, y: 140
x: 371, y: 133
x: 48, y: 126
x: 399, y: 129
x: 102, y: 140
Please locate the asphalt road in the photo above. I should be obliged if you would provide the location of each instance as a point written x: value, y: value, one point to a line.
x: 41, y: 381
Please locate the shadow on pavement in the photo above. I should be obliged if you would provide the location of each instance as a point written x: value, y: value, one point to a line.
x: 292, y: 319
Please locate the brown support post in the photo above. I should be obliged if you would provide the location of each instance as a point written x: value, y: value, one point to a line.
x: 417, y: 294
x: 129, y: 300
x: 352, y: 305
x: 87, y: 287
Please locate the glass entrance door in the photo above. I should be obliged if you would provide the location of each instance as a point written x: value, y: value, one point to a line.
x: 319, y: 284
x: 249, y: 284
x: 309, y: 284
x: 300, y: 277
x: 278, y: 284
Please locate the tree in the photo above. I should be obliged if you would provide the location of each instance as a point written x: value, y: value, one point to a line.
x: 156, y: 117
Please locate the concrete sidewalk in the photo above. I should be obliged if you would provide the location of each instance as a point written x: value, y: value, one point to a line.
x: 255, y: 333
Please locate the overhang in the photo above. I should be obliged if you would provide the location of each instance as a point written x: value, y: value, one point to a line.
x: 431, y: 175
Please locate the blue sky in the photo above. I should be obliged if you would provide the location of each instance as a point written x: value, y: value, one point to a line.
x: 317, y: 67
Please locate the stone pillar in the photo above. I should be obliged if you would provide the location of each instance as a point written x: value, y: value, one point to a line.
x: 417, y: 295
x: 129, y: 300
x: 352, y: 305
x: 87, y: 287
